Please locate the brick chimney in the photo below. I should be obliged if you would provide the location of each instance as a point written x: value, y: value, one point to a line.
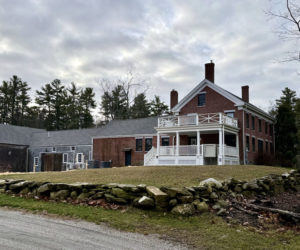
x: 173, y: 98
x: 210, y: 71
x: 245, y: 93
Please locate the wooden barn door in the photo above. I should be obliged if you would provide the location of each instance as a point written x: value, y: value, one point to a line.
x: 52, y: 162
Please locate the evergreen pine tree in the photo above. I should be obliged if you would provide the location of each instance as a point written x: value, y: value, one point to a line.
x: 140, y: 107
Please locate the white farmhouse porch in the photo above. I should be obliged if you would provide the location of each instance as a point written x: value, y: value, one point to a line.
x: 194, y: 126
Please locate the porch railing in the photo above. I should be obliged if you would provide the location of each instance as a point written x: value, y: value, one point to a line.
x: 186, y: 150
x: 182, y: 150
x: 230, y: 151
x: 196, y: 119
x: 149, y: 157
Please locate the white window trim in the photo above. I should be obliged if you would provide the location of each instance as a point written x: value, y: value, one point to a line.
x: 229, y: 111
x: 64, y: 157
x: 77, y: 157
x: 53, y: 149
x: 36, y: 161
x: 203, y: 92
x: 145, y: 143
x: 138, y: 138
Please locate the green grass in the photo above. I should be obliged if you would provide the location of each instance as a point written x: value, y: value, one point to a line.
x: 157, y: 176
x: 204, y: 232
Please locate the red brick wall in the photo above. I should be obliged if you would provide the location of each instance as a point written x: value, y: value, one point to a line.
x: 258, y: 135
x: 106, y: 149
x: 214, y: 103
x: 217, y: 103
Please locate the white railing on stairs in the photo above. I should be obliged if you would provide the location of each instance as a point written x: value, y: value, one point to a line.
x: 150, y: 156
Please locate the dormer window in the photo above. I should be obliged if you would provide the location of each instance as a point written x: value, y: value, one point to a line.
x: 201, y: 99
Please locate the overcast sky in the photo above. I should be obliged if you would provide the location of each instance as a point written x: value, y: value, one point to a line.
x: 164, y: 42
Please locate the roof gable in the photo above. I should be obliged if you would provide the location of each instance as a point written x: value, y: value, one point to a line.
x: 199, y: 88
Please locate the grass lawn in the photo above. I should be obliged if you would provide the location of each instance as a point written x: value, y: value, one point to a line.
x: 202, y: 232
x: 157, y: 176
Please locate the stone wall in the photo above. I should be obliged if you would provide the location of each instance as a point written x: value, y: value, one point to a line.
x: 186, y: 201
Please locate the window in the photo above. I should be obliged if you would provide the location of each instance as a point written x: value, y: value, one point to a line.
x: 260, y: 146
x: 36, y: 161
x: 53, y: 149
x: 253, y: 144
x: 247, y: 143
x: 267, y: 147
x: 148, y: 144
x: 73, y: 148
x: 253, y: 122
x: 247, y: 120
x: 65, y: 158
x: 259, y: 125
x: 229, y: 113
x: 79, y: 158
x: 165, y: 141
x: 266, y: 128
x: 201, y: 99
x: 139, y: 145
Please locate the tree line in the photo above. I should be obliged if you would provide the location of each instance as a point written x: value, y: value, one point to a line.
x: 287, y: 128
x: 57, y: 107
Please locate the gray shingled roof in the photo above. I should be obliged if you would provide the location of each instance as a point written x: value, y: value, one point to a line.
x: 84, y: 136
x: 140, y: 126
x: 10, y: 134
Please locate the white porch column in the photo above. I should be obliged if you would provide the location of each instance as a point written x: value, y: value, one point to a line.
x: 198, y: 142
x: 220, y: 155
x: 158, y: 144
x: 177, y: 148
x: 223, y: 146
x: 177, y: 143
x: 199, y: 158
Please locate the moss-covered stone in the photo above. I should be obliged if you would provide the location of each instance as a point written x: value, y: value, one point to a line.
x: 185, y: 199
x: 120, y: 193
x: 113, y: 199
x: 73, y: 195
x: 161, y: 198
x: 201, y: 206
x: 173, y: 202
x: 184, y: 209
x: 83, y: 196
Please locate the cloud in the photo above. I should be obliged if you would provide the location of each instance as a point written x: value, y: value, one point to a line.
x: 166, y: 42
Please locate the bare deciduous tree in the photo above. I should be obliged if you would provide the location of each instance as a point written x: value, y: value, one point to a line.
x: 289, y: 26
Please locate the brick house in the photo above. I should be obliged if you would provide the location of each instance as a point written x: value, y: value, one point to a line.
x: 208, y: 126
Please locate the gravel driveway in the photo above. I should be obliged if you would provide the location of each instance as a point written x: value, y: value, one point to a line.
x: 20, y: 230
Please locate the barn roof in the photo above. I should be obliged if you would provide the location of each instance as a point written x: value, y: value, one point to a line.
x: 16, y: 135
x: 115, y: 128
